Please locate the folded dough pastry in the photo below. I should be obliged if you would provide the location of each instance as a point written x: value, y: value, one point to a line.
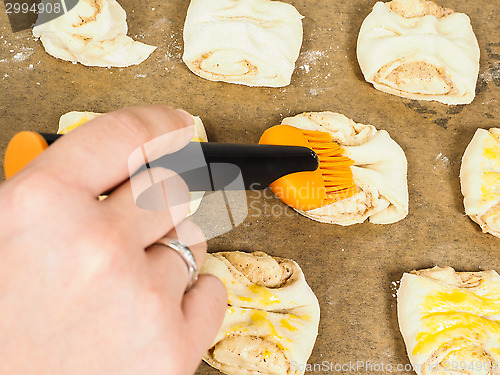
x: 480, y: 180
x: 450, y: 321
x: 418, y: 50
x: 379, y: 170
x: 93, y: 33
x: 272, y: 319
x: 250, y: 42
x: 72, y: 120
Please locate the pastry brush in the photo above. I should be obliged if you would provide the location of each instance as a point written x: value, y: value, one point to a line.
x: 305, y: 169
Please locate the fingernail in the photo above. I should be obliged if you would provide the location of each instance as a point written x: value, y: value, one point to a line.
x: 186, y: 117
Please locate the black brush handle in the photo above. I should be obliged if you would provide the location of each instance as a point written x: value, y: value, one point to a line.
x: 51, y: 138
x: 208, y: 166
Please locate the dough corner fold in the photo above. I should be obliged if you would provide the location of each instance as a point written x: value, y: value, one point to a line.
x: 418, y: 50
x: 449, y: 321
x: 272, y: 319
x: 248, y: 42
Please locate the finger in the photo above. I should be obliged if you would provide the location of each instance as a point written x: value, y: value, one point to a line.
x: 167, y: 267
x: 204, y: 308
x: 95, y: 157
x: 191, y: 235
x: 148, y: 206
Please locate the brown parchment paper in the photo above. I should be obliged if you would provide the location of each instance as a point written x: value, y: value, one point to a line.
x: 352, y: 270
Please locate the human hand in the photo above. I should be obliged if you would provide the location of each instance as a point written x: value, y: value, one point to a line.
x: 82, y: 291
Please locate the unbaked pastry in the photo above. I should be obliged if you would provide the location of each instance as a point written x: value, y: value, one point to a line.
x: 272, y: 319
x: 480, y: 180
x: 93, y: 33
x: 72, y: 120
x: 450, y: 321
x: 380, y: 171
x: 418, y: 50
x: 250, y: 42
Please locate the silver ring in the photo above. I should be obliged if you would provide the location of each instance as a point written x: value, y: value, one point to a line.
x: 188, y: 258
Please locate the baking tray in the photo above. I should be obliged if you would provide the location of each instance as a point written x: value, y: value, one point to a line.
x: 353, y: 269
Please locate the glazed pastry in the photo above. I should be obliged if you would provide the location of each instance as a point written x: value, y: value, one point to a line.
x: 416, y: 49
x: 272, y: 319
x: 450, y: 321
x: 72, y: 120
x: 250, y: 42
x: 93, y: 33
x: 380, y: 171
x: 480, y: 180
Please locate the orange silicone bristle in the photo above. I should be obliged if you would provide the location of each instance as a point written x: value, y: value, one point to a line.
x: 21, y: 150
x: 332, y: 181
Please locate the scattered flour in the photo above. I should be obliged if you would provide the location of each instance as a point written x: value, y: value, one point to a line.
x: 312, y: 56
x: 308, y: 59
x: 305, y: 67
x: 394, y: 288
x: 443, y: 159
x: 174, y: 49
x: 490, y: 74
x: 23, y: 54
x: 317, y: 77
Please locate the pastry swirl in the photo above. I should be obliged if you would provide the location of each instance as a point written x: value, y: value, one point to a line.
x: 380, y: 171
x: 480, y: 180
x: 249, y: 42
x: 93, y: 33
x: 450, y: 321
x: 418, y: 50
x: 272, y: 319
